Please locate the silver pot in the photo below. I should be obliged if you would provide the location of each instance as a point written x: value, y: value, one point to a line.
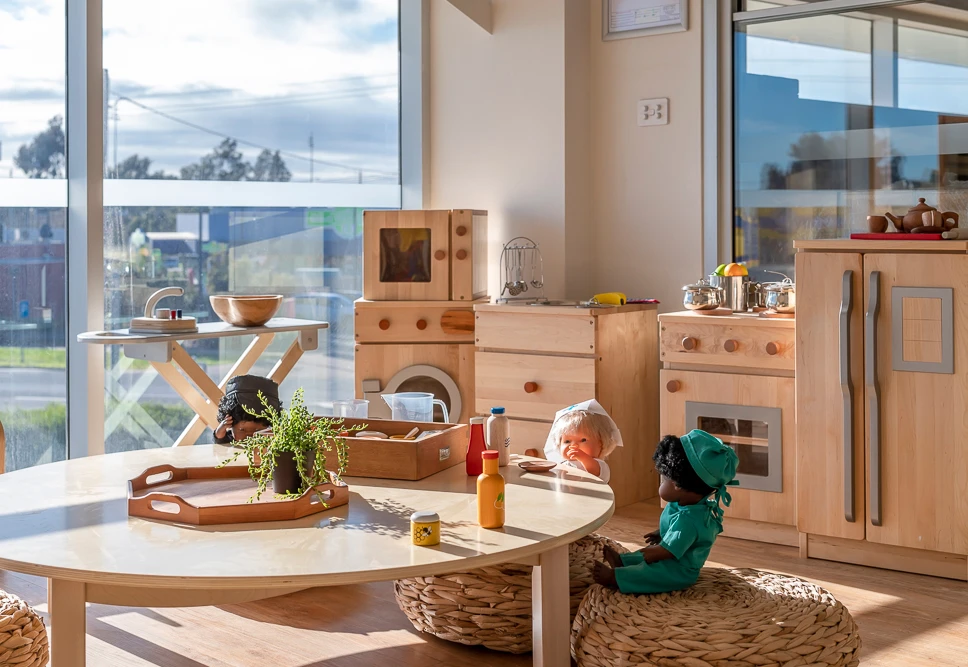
x: 781, y: 297
x: 702, y: 296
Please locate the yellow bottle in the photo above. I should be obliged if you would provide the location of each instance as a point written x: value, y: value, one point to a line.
x: 490, y: 493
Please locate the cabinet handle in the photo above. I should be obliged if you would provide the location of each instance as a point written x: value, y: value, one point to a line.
x: 772, y: 349
x: 530, y: 387
x: 384, y: 324
x: 689, y: 343
x: 847, y: 390
x: 421, y: 324
x: 439, y: 255
x: 673, y: 386
x: 731, y: 345
x: 461, y: 254
x: 873, y: 397
x: 461, y: 230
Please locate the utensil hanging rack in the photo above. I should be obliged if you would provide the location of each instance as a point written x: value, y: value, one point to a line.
x: 523, y: 269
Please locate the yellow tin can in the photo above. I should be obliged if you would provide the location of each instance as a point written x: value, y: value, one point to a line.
x: 425, y: 529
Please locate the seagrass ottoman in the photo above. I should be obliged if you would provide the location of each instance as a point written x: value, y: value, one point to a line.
x: 491, y: 606
x: 23, y: 637
x: 729, y: 618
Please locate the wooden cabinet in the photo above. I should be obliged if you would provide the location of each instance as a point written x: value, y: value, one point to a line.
x: 882, y: 381
x: 733, y: 378
x: 536, y: 360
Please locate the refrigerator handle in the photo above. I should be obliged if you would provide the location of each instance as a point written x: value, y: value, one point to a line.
x: 873, y: 397
x: 846, y: 306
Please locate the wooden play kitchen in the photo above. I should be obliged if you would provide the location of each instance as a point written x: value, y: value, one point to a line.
x: 423, y: 273
x: 535, y: 359
x: 882, y: 348
x: 733, y: 376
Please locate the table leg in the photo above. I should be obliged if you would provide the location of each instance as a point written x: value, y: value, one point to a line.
x: 550, y: 609
x: 68, y: 624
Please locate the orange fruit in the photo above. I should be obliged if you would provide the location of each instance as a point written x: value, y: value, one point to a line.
x: 735, y: 270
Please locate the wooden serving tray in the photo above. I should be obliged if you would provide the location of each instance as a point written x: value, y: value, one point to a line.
x: 210, y: 496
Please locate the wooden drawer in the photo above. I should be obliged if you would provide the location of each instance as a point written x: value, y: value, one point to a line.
x: 754, y: 345
x: 534, y: 332
x: 532, y: 386
x: 414, y: 322
x: 528, y: 435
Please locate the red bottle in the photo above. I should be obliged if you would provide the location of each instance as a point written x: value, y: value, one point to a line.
x: 475, y: 448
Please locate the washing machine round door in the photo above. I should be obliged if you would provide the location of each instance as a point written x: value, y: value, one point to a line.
x: 432, y: 380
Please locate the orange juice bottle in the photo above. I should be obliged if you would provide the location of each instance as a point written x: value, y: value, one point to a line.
x: 490, y: 493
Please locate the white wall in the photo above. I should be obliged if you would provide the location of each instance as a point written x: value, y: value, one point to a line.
x: 536, y: 123
x: 497, y: 124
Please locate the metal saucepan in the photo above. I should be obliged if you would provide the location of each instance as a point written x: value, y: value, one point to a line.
x: 702, y: 296
x: 781, y: 297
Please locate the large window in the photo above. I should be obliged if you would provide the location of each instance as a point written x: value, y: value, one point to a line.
x: 843, y: 115
x: 241, y: 146
x: 33, y: 229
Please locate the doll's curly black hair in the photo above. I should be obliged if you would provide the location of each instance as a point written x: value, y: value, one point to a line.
x: 671, y: 461
x: 230, y: 406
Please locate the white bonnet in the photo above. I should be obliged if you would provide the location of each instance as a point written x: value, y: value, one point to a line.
x: 593, y: 406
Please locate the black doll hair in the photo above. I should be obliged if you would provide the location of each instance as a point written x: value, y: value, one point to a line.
x: 671, y: 461
x: 230, y: 406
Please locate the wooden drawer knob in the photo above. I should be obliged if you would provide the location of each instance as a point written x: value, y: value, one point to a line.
x: 730, y: 345
x: 461, y: 254
x: 689, y: 343
x: 530, y: 387
x: 384, y: 324
x: 421, y: 324
x: 439, y: 255
x: 461, y: 230
x: 673, y: 386
x: 772, y: 348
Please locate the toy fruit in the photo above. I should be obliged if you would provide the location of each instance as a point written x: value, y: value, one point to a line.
x: 720, y: 270
x: 735, y: 270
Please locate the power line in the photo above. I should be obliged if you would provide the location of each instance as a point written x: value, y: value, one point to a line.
x: 245, y: 142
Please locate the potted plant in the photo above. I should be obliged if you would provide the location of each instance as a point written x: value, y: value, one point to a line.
x: 292, y: 452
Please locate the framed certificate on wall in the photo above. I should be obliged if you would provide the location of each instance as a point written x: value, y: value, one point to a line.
x: 637, y: 18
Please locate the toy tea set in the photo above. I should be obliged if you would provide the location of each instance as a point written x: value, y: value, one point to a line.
x: 926, y: 221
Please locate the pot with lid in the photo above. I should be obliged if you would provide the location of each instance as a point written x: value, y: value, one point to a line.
x: 780, y: 297
x: 702, y: 296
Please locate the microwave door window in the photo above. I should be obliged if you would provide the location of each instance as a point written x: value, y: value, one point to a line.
x: 405, y: 255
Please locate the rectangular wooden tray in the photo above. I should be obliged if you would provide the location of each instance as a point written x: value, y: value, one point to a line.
x: 404, y: 459
x: 210, y: 496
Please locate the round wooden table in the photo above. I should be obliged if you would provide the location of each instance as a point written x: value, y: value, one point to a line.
x: 68, y: 522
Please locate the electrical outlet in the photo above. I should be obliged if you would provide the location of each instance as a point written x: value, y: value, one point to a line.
x: 653, y: 112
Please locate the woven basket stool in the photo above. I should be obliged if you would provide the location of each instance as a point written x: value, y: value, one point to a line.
x: 491, y: 606
x: 729, y: 618
x: 23, y: 637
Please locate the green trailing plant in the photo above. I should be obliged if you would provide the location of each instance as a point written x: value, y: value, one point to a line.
x: 297, y: 431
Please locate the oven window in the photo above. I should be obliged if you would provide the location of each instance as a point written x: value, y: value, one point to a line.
x: 405, y: 255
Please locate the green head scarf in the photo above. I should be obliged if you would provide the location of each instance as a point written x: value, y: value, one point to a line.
x: 714, y: 462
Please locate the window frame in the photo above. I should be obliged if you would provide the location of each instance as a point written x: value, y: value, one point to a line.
x: 719, y: 21
x: 85, y: 111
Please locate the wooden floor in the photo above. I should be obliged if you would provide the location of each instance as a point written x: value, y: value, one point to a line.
x: 905, y: 620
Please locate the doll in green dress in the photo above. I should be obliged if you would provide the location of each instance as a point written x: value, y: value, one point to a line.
x: 695, y: 471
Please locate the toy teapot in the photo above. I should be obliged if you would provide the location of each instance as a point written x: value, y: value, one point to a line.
x: 918, y: 217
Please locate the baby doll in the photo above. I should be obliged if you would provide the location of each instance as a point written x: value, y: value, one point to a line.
x: 241, y: 412
x: 693, y: 468
x: 583, y: 436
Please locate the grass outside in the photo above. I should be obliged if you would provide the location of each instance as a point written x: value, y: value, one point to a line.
x: 56, y: 358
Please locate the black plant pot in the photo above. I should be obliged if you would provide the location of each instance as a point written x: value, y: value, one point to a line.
x: 285, y: 474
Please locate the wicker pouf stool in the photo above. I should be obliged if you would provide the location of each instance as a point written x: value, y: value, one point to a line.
x: 23, y: 637
x: 729, y: 618
x: 490, y: 606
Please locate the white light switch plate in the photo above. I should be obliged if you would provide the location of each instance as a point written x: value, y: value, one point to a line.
x: 653, y: 112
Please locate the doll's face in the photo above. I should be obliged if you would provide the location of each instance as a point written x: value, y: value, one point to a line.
x: 243, y: 429
x: 671, y: 493
x: 583, y: 440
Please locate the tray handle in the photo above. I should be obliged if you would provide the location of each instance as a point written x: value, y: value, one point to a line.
x: 142, y: 506
x: 141, y: 483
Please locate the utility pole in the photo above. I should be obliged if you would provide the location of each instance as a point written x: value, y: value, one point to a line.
x: 312, y: 162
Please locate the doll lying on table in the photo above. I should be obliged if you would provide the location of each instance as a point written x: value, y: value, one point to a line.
x: 693, y: 469
x: 240, y: 410
x: 583, y: 436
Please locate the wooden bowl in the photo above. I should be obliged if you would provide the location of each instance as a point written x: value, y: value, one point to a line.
x: 246, y: 310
